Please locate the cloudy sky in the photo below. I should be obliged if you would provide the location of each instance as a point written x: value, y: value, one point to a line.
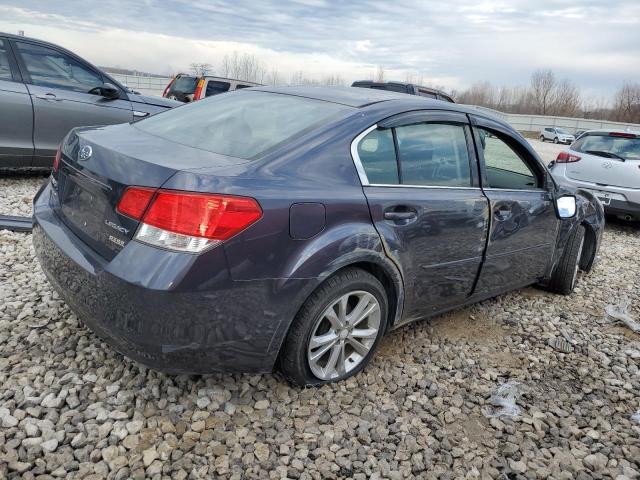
x: 450, y: 43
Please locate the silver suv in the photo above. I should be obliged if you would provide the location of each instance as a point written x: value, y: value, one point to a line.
x: 556, y: 135
x: 606, y: 163
x: 45, y: 91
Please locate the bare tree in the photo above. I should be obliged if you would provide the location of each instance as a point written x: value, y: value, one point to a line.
x: 627, y: 103
x: 543, y: 87
x: 201, y: 69
x: 567, y: 99
x: 380, y: 74
x: 245, y: 67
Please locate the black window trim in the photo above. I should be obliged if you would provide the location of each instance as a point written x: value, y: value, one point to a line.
x: 13, y: 65
x: 413, y: 118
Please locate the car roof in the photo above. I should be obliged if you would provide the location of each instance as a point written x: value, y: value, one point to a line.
x: 350, y: 96
x: 613, y: 130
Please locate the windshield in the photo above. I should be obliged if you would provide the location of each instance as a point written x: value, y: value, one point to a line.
x: 563, y: 131
x: 184, y: 84
x: 243, y: 124
x: 627, y: 148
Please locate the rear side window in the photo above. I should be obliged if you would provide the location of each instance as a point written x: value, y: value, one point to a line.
x: 50, y: 68
x: 5, y: 68
x: 503, y: 165
x: 378, y: 157
x: 215, y: 87
x: 434, y: 154
x: 246, y: 125
x: 239, y: 86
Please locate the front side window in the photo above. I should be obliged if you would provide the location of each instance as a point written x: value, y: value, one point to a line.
x: 50, y: 68
x: 5, y: 68
x: 214, y: 88
x: 378, y: 157
x: 504, y: 166
x: 433, y: 154
x: 246, y: 124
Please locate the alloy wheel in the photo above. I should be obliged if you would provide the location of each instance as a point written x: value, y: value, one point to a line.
x: 343, y: 335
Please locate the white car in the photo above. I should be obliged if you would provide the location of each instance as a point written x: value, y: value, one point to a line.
x: 556, y: 135
x: 606, y: 163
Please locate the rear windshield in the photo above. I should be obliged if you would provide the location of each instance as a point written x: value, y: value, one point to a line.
x: 602, y: 144
x: 244, y: 124
x: 185, y: 84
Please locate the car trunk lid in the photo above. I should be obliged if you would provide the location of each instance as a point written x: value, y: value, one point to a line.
x: 98, y: 164
x: 605, y: 171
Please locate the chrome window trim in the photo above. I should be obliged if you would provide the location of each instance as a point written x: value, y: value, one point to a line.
x: 493, y: 189
x: 363, y: 174
x: 356, y: 158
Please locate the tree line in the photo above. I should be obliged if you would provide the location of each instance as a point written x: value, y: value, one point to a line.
x: 546, y: 94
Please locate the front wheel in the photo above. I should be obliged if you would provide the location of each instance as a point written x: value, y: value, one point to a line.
x: 555, y: 140
x: 565, y: 276
x: 337, y: 330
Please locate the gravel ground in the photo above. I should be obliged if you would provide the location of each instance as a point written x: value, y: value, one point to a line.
x: 72, y: 407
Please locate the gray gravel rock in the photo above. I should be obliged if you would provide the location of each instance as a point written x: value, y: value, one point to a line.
x: 71, y: 407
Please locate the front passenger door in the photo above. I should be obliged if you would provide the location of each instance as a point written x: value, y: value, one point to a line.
x: 58, y: 85
x: 523, y: 218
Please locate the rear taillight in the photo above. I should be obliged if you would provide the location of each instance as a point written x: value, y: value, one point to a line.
x: 198, y: 93
x: 56, y: 159
x: 166, y: 89
x: 564, y: 157
x: 186, y: 221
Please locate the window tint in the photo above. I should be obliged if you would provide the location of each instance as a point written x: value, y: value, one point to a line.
x: 50, y: 68
x: 5, y: 69
x: 378, y: 157
x: 214, y: 88
x: 246, y: 124
x: 434, y: 154
x: 239, y: 86
x: 504, y: 167
x: 425, y: 93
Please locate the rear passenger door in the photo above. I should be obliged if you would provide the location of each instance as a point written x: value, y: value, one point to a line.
x: 420, y: 176
x: 16, y: 113
x: 524, y: 224
x: 59, y: 86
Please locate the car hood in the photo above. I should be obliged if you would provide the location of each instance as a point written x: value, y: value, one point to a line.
x: 153, y: 100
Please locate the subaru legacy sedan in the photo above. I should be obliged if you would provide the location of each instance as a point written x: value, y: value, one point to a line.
x: 293, y: 227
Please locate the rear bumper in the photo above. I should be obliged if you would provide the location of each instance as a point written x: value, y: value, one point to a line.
x: 626, y: 201
x: 174, y: 312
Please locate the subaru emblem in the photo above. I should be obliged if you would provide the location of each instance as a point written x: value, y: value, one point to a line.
x: 85, y: 153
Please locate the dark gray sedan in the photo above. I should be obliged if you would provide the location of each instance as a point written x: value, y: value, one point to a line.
x: 45, y: 91
x: 294, y: 227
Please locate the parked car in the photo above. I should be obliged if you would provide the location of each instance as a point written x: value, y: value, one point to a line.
x: 188, y: 88
x: 45, y: 91
x: 296, y: 226
x: 606, y: 163
x: 556, y: 135
x: 401, y: 87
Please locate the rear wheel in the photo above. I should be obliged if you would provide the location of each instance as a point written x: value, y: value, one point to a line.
x: 542, y: 138
x: 566, y: 274
x: 337, y: 330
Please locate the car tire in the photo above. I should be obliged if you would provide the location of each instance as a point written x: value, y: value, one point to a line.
x: 542, y: 138
x: 312, y: 322
x: 564, y: 278
x: 555, y: 140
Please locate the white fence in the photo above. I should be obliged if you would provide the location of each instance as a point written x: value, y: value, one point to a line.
x: 535, y: 123
x: 146, y: 85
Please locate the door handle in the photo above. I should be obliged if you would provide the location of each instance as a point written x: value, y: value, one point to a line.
x: 400, y: 214
x: 49, y: 96
x: 503, y: 212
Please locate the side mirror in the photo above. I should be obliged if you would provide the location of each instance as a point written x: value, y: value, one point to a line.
x: 107, y: 90
x: 566, y: 206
